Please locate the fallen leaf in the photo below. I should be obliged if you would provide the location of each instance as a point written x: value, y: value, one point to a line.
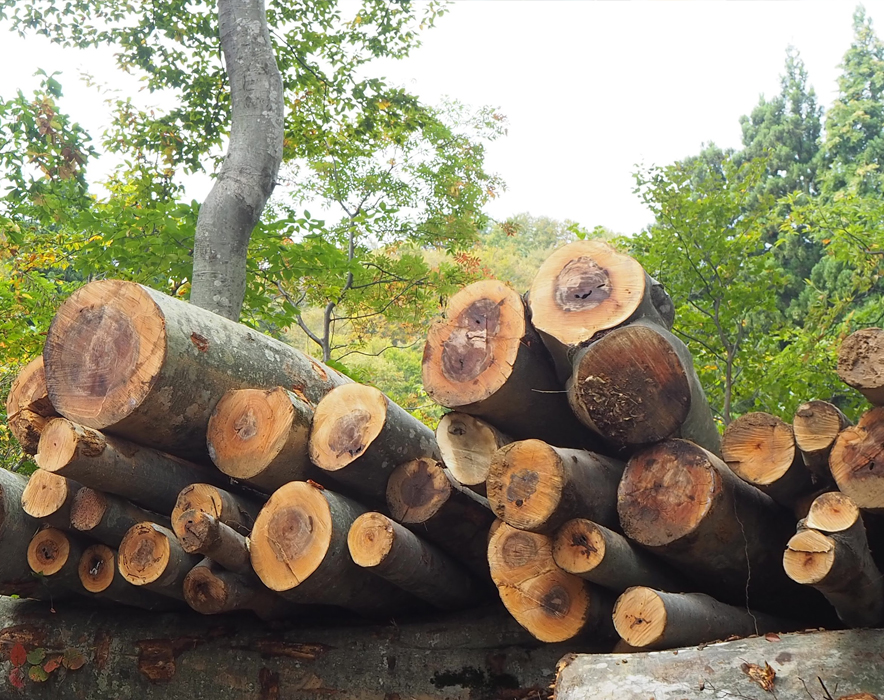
x: 772, y: 637
x: 52, y: 664
x: 36, y: 656
x: 764, y: 677
x: 73, y: 659
x: 37, y: 674
x: 17, y: 677
x: 18, y: 655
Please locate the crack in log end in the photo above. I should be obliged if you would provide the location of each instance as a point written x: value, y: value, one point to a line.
x: 582, y: 543
x: 521, y: 486
x: 269, y: 683
x: 246, y: 425
x: 305, y: 651
x: 156, y: 657
x: 581, y: 285
x: 347, y: 437
x: 290, y: 533
x: 200, y: 342
x: 469, y: 349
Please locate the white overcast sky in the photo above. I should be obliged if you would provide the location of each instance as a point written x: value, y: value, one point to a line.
x: 590, y: 88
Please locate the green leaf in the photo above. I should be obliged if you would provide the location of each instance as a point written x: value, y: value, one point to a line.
x: 36, y: 656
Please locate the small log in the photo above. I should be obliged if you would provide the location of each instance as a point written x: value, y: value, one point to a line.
x: 139, y: 364
x: 832, y: 555
x: 150, y: 556
x: 534, y: 486
x: 16, y: 530
x: 107, y: 518
x: 27, y: 427
x: 55, y: 555
x: 637, y: 385
x: 760, y: 449
x: 234, y: 510
x: 260, y: 437
x: 484, y: 358
x: 859, y: 363
x: 97, y: 571
x: 467, y: 444
x: 149, y: 478
x: 649, y: 619
x: 816, y: 426
x: 299, y: 549
x: 421, y: 496
x: 28, y: 406
x: 199, y: 532
x: 856, y: 461
x: 594, y: 552
x: 396, y: 554
x: 210, y: 589
x: 587, y: 287
x: 48, y: 497
x: 551, y: 604
x: 360, y: 436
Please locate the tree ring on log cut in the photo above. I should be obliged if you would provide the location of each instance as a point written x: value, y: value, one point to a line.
x: 417, y: 490
x: 466, y: 444
x: 48, y: 551
x: 96, y: 568
x: 809, y: 557
x: 370, y: 539
x: 144, y: 554
x: 60, y: 441
x: 477, y: 344
x: 832, y: 512
x: 28, y: 391
x: 665, y: 492
x: 640, y: 616
x: 579, y: 546
x: 204, y: 591
x: 553, y: 606
x: 103, y: 352
x: 292, y: 535
x: 759, y: 448
x: 857, y: 460
x: 560, y: 299
x: 44, y: 494
x: 345, y: 424
x: 816, y: 425
x: 519, y: 549
x: 525, y: 483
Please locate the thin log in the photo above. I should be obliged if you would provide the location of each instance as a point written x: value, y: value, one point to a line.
x: 816, y: 426
x: 55, y: 555
x: 28, y: 406
x: 860, y: 363
x: 421, y: 496
x: 106, y: 463
x: 97, y: 571
x: 199, y: 532
x: 389, y: 550
x: 150, y: 556
x: 16, y: 530
x: 234, y: 510
x: 637, y: 385
x: 260, y: 437
x: 857, y: 461
x: 587, y: 287
x: 107, y: 518
x: 139, y: 364
x: 467, y: 444
x: 760, y: 449
x: 551, y: 604
x: 535, y: 486
x: 649, y: 619
x: 48, y: 497
x: 606, y: 558
x: 299, y: 549
x: 484, y: 358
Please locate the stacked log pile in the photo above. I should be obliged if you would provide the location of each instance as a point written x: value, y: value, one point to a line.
x: 185, y: 460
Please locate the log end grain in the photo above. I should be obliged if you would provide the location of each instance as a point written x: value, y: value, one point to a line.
x: 525, y: 483
x: 578, y: 546
x: 97, y: 568
x: 48, y: 551
x: 45, y: 494
x: 62, y: 441
x: 28, y: 391
x: 88, y: 509
x: 816, y: 425
x: 832, y: 512
x: 809, y: 557
x: 206, y: 592
x: 554, y: 606
x: 144, y: 554
x: 857, y: 460
x: 345, y: 424
x: 371, y: 539
x: 759, y: 448
x: 640, y: 617
x: 859, y: 363
x: 417, y: 490
x: 27, y: 427
x: 195, y: 530
x: 466, y: 444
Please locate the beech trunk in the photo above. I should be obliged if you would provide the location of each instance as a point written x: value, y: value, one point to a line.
x: 211, y: 589
x: 467, y: 445
x: 151, y: 556
x: 48, y: 497
x: 816, y: 426
x: 199, y: 532
x: 107, y: 518
x: 234, y: 510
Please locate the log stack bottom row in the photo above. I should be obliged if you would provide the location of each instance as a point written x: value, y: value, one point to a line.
x: 579, y: 478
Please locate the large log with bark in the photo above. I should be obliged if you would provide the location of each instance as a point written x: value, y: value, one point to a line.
x: 211, y: 589
x: 131, y: 361
x: 49, y: 498
x: 467, y: 445
x: 856, y: 462
x: 16, y: 530
x: 107, y: 518
x: 151, y: 556
x: 484, y: 358
x: 28, y: 407
x: 860, y: 363
x: 816, y: 426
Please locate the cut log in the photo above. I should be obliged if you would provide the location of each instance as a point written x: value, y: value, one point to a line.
x: 210, y: 589
x: 587, y: 287
x: 299, y: 550
x: 360, y: 436
x: 593, y: 552
x: 860, y: 363
x: 106, y: 463
x: 16, y: 530
x: 27, y: 427
x: 396, y: 554
x: 107, y: 518
x: 760, y: 449
x: 48, y: 497
x: 467, y: 444
x: 534, y: 486
x: 199, y: 532
x: 834, y: 558
x: 127, y: 359
x: 55, y: 555
x: 683, y: 504
x: 649, y: 619
x: 637, y: 385
x: 857, y: 461
x: 485, y: 359
x: 234, y: 510
x: 28, y: 405
x: 551, y: 604
x: 260, y: 437
x: 816, y: 426
x: 97, y: 571
x: 150, y: 556
x: 421, y: 496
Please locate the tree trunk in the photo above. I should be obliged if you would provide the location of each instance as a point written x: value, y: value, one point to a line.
x: 760, y: 449
x: 593, y: 552
x: 235, y: 511
x: 106, y: 463
x: 534, y: 486
x: 210, y: 589
x: 150, y: 556
x: 485, y: 359
x: 421, y: 496
x: 48, y: 498
x: 16, y: 530
x: 467, y: 444
x: 199, y: 532
x: 587, y: 287
x: 860, y: 363
x: 396, y: 554
x: 107, y: 518
x: 142, y: 365
x: 360, y: 436
x: 28, y: 405
x: 55, y: 555
x: 254, y: 153
x: 649, y: 619
x: 97, y: 571
x: 816, y: 426
x: 856, y: 462
x: 637, y: 385
x: 260, y: 436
